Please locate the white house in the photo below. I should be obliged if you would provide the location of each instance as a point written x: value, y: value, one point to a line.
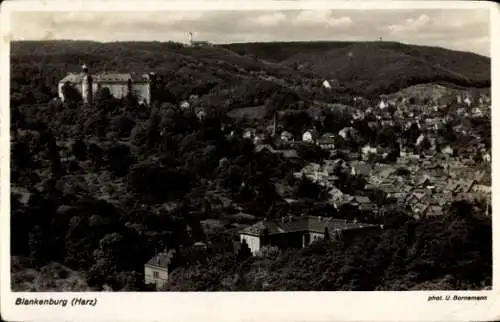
x: 382, y: 105
x: 308, y: 136
x: 326, y: 84
x: 156, y: 269
x: 185, y: 105
x: 487, y: 158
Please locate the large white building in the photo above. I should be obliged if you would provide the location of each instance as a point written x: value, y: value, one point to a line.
x: 119, y: 85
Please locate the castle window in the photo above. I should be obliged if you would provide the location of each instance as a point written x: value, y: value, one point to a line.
x: 156, y: 274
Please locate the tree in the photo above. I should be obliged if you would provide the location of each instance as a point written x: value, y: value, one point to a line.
x: 79, y: 149
x: 119, y: 159
x: 244, y: 251
x: 71, y: 94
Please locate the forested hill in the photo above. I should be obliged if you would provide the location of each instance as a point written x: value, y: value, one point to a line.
x: 365, y: 68
x: 376, y: 66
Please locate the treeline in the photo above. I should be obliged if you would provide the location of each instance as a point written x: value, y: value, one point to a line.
x: 298, y: 66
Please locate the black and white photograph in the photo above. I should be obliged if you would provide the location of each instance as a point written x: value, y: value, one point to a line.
x: 271, y: 150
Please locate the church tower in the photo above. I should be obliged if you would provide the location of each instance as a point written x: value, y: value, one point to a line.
x: 86, y: 85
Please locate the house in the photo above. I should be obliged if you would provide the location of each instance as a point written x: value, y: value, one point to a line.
x: 447, y: 150
x: 309, y: 136
x: 465, y: 185
x: 156, y: 269
x: 362, y: 169
x: 298, y: 232
x: 420, y: 208
x: 336, y: 195
x: 86, y: 85
x: 184, y: 105
x: 348, y: 133
x: 286, y: 136
x: 468, y: 101
x: 327, y: 141
x: 434, y: 211
x: 363, y: 203
x: 368, y: 150
x: 487, y: 157
x: 481, y: 188
x: 201, y: 114
x: 423, y: 181
x: 249, y: 134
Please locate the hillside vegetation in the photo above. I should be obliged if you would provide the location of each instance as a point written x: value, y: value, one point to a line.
x: 364, y: 68
x: 376, y: 66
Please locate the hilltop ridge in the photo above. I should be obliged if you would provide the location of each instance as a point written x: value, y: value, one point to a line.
x: 362, y: 68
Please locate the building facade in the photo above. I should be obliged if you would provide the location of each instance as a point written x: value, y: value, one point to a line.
x: 156, y: 269
x: 120, y: 85
x: 298, y: 232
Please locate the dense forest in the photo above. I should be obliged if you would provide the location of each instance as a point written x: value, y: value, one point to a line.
x: 97, y: 189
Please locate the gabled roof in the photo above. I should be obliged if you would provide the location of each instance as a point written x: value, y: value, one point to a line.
x: 161, y: 259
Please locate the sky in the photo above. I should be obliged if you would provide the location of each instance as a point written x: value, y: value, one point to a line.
x: 459, y: 29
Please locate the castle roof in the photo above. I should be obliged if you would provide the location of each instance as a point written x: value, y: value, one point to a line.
x: 107, y: 78
x: 303, y: 224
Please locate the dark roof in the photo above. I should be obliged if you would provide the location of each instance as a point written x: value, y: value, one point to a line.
x: 161, y: 259
x: 107, y: 78
x: 303, y: 224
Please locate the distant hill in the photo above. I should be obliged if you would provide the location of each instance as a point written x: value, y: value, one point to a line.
x: 376, y: 66
x: 364, y: 68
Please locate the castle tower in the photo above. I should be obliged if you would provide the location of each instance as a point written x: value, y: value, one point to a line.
x: 190, y: 38
x: 86, y: 85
